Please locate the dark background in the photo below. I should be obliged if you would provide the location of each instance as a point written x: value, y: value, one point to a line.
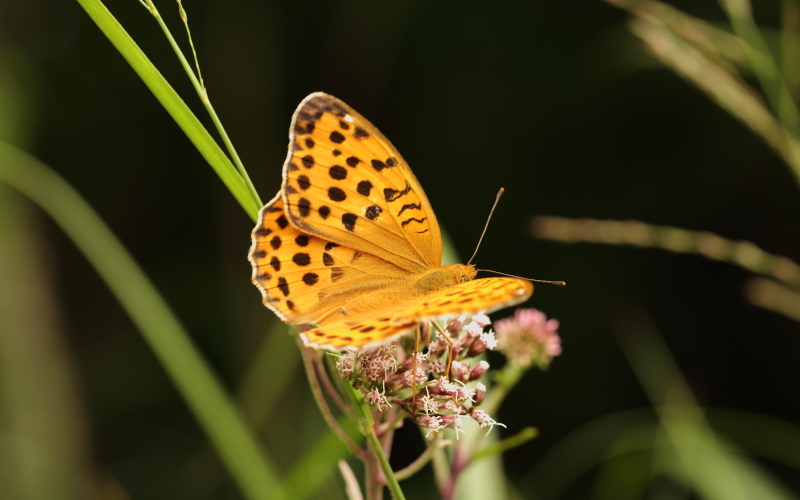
x: 553, y: 100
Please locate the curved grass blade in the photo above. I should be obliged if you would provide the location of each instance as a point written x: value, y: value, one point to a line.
x: 215, y: 411
x: 174, y: 105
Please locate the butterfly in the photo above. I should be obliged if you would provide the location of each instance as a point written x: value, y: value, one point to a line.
x: 350, y: 245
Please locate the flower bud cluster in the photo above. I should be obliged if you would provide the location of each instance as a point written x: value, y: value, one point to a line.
x: 419, y: 382
x: 528, y: 338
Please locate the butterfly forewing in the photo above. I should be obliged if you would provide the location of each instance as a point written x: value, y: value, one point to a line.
x: 345, y: 182
x: 481, y: 295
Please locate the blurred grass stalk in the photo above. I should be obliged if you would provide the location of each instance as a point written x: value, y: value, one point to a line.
x: 673, y: 448
x: 43, y: 436
x: 253, y: 471
x: 782, y: 297
x: 713, y: 60
x: 686, y: 446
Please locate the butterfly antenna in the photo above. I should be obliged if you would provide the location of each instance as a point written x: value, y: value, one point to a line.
x: 496, y: 200
x: 560, y: 283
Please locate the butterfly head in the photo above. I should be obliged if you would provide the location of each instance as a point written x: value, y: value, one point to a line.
x: 463, y: 272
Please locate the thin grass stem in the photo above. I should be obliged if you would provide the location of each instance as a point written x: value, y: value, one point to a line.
x: 175, y: 106
x: 203, y: 93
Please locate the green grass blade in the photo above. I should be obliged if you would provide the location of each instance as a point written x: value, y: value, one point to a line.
x: 178, y: 109
x: 204, y: 394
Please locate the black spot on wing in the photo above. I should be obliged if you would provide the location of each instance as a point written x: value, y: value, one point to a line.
x: 373, y: 212
x: 364, y: 188
x: 301, y: 259
x: 336, y: 194
x: 337, y: 172
x: 337, y: 137
x: 349, y: 221
x: 304, y: 207
x: 283, y: 286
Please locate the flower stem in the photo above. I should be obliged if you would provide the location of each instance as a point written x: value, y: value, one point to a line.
x: 316, y: 391
x: 367, y: 426
x: 383, y: 461
x: 435, y: 444
x: 506, y: 379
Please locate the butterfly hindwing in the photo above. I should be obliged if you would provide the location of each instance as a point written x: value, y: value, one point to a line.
x: 345, y: 182
x: 355, y: 333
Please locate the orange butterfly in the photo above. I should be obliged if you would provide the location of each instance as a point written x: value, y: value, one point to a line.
x: 350, y: 245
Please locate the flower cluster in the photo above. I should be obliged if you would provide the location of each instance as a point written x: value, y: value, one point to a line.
x: 433, y: 387
x: 528, y: 338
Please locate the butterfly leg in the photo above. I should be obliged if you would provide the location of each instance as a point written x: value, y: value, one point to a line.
x: 441, y: 332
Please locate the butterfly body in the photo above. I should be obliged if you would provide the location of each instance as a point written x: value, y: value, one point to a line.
x: 350, y: 246
x: 432, y: 280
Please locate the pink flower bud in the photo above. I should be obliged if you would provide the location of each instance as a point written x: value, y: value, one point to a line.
x: 480, y: 394
x: 455, y: 326
x: 442, y: 386
x: 479, y: 370
x: 459, y: 371
x: 477, y: 347
x: 451, y: 421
